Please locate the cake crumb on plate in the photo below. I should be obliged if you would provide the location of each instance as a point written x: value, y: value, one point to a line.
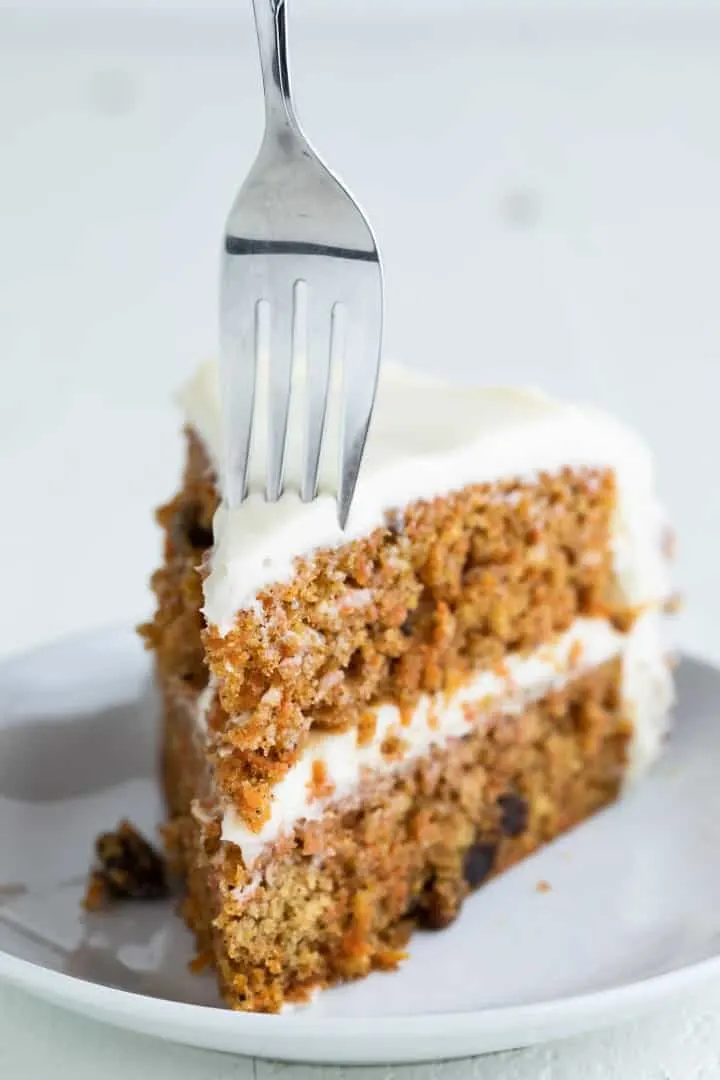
x: 129, y: 869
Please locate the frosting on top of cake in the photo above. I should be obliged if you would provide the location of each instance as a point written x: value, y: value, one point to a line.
x: 427, y: 438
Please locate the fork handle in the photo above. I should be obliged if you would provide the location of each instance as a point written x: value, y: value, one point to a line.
x: 271, y: 26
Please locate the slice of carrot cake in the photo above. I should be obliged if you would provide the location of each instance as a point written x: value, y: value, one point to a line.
x: 360, y: 728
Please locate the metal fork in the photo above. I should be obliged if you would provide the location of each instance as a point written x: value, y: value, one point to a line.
x: 300, y: 295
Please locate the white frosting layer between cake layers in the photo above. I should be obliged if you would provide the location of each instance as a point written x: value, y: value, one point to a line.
x: 647, y: 692
x: 426, y: 439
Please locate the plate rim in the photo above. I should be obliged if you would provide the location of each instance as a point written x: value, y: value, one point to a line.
x: 498, y: 1028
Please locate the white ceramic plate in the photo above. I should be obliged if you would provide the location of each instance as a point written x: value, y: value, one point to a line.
x: 632, y: 915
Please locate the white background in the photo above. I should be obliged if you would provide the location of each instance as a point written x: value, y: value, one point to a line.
x: 546, y: 188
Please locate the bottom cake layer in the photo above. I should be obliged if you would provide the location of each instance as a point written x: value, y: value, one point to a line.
x: 341, y: 896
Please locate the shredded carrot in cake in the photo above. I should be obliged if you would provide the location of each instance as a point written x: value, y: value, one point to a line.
x: 393, y: 747
x: 367, y: 725
x: 406, y: 715
x: 320, y: 786
x: 576, y: 653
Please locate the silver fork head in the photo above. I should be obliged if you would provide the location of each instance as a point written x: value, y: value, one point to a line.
x: 300, y: 307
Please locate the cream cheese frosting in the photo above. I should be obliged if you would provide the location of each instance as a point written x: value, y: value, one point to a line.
x: 427, y: 438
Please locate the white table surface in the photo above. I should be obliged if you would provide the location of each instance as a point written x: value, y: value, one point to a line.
x: 546, y: 190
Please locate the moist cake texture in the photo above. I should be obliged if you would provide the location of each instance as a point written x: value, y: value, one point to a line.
x: 361, y: 728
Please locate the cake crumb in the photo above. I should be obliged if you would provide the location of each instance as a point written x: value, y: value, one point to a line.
x: 543, y: 886
x: 129, y: 869
x: 96, y: 897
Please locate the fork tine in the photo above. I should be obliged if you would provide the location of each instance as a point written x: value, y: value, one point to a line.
x: 280, y: 371
x: 239, y: 345
x: 322, y: 324
x: 360, y: 373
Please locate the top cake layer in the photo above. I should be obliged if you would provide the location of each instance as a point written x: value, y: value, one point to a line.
x: 427, y: 439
